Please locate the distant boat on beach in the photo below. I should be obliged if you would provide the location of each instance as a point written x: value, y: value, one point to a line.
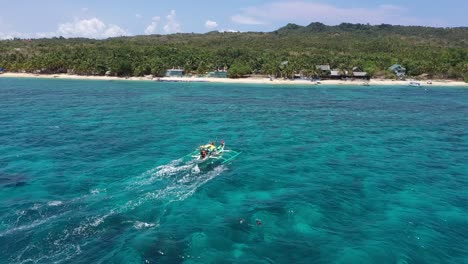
x: 179, y: 81
x: 414, y: 83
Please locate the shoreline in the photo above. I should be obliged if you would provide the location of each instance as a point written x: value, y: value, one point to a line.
x: 372, y: 82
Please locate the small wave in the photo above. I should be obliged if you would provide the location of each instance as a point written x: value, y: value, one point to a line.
x: 196, y: 169
x: 39, y: 211
x: 54, y: 203
x: 99, y: 220
x: 62, y: 254
x: 91, y: 222
x: 97, y: 191
x: 34, y: 224
x: 142, y: 225
x: 36, y: 206
x: 165, y: 171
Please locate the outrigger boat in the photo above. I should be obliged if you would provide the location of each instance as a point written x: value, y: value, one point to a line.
x: 414, y: 83
x: 209, y: 153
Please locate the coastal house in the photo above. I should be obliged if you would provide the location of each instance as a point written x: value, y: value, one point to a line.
x: 175, y: 73
x: 323, y: 67
x: 361, y: 75
x: 218, y: 74
x: 335, y: 74
x: 399, y: 71
x: 323, y: 70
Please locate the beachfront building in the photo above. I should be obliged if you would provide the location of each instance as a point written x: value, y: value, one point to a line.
x: 335, y: 74
x: 323, y: 70
x: 218, y: 74
x: 399, y: 71
x: 175, y: 73
x: 338, y: 74
x: 361, y: 75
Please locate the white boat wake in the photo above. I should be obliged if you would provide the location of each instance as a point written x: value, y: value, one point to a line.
x: 140, y: 202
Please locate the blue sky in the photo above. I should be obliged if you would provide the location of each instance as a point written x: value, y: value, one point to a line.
x: 101, y: 19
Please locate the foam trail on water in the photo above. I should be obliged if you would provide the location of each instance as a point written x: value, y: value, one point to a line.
x: 32, y: 225
x: 180, y: 188
x: 54, y: 203
x: 164, y: 184
x: 160, y: 172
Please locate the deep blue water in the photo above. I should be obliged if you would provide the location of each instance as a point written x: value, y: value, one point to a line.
x: 90, y: 172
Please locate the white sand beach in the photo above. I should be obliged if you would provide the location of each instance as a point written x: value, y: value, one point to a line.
x: 241, y: 80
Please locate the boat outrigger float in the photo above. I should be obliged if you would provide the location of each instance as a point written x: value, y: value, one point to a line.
x: 212, y: 153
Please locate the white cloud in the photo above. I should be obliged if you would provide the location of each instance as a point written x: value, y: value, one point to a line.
x: 152, y: 28
x: 172, y: 25
x: 89, y: 28
x: 306, y: 12
x: 209, y: 24
x: 11, y: 35
x: 229, y: 31
x: 114, y: 31
x: 46, y: 35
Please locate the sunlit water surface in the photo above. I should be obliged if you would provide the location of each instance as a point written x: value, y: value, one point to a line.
x: 91, y: 172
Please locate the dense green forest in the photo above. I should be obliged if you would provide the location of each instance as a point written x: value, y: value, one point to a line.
x: 434, y: 52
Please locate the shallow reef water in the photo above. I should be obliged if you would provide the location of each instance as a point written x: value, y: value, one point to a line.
x: 92, y: 172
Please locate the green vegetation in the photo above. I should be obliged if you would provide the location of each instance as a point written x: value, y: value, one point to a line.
x: 434, y: 52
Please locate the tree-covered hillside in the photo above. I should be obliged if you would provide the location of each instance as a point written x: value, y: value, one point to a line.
x: 437, y: 52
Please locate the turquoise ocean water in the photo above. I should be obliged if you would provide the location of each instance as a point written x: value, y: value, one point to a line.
x: 90, y: 172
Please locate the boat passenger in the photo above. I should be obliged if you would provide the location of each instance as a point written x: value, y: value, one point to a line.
x: 212, y: 147
x: 209, y: 147
x: 221, y: 146
x: 203, y: 153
